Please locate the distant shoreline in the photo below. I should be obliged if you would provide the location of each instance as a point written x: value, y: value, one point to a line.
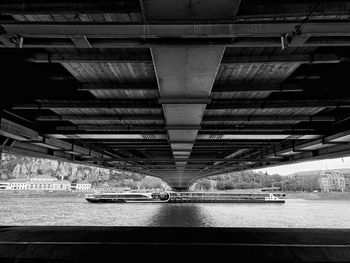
x: 38, y: 194
x: 318, y: 195
x: 77, y: 194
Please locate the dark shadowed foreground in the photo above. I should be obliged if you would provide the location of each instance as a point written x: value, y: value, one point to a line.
x: 107, y: 244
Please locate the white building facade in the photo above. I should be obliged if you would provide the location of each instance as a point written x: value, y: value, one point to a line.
x: 41, y: 183
x: 332, y: 181
x: 5, y: 186
x: 44, y: 182
x: 18, y: 184
x: 83, y: 186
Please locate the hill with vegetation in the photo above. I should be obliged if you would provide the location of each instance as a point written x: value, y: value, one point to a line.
x: 16, y: 166
x: 303, y: 181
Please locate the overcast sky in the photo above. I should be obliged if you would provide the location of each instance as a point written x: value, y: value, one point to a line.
x: 309, y: 166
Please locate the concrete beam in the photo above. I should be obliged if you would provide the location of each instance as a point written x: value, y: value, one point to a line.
x: 145, y: 58
x: 89, y: 57
x: 264, y: 118
x: 242, y: 118
x: 329, y: 41
x: 28, y: 139
x: 119, y: 86
x: 295, y: 58
x: 67, y: 7
x: 267, y: 87
x: 121, y: 127
x: 292, y: 9
x: 264, y: 104
x: 202, y: 135
x: 222, y: 88
x: 218, y: 88
x: 187, y: 10
x: 107, y: 104
x: 5, y: 39
x: 185, y: 77
x: 33, y: 42
x: 172, y: 30
x: 171, y: 160
x: 172, y: 130
x: 215, y: 105
x: 81, y: 41
x: 55, y: 118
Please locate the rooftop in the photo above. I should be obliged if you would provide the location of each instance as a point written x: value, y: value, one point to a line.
x: 83, y: 182
x: 62, y: 182
x: 19, y: 180
x: 43, y: 177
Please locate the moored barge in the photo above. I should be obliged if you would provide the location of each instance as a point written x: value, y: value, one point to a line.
x: 128, y: 197
x: 224, y: 197
x: 186, y: 197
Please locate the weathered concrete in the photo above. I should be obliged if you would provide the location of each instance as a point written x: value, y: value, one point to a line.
x: 96, y: 100
x: 190, y: 10
x: 109, y: 244
x: 186, y: 72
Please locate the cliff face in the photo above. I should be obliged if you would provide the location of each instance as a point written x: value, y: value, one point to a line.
x: 13, y: 166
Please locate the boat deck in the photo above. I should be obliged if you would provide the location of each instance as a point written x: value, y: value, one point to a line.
x: 185, y: 200
x: 189, y: 197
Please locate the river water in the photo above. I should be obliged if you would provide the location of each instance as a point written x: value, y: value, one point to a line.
x: 77, y: 211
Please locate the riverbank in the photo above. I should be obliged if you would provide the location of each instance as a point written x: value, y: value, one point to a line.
x: 318, y: 195
x: 43, y: 194
x: 73, y: 194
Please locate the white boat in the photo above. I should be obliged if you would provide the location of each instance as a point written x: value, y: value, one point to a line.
x: 185, y: 197
x: 128, y: 197
x: 224, y: 197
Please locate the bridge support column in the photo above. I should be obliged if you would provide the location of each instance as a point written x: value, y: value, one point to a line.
x: 180, y: 189
x: 185, y: 78
x: 180, y: 180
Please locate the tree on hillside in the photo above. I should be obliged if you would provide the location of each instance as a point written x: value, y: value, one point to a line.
x: 204, y: 184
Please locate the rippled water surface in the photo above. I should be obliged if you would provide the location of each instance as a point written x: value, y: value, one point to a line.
x: 77, y: 211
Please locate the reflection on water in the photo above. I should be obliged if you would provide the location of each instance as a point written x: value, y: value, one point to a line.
x: 181, y: 215
x: 77, y: 211
x: 66, y: 211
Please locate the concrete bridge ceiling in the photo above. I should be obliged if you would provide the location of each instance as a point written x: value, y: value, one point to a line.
x: 175, y: 89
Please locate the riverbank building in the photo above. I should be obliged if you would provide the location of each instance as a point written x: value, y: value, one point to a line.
x: 332, y: 181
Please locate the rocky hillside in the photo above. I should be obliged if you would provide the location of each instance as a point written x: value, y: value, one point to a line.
x: 14, y: 166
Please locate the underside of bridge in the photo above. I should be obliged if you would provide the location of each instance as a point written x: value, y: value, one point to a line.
x: 178, y: 89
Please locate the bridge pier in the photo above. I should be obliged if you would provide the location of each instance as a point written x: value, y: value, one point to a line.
x: 180, y: 189
x: 180, y: 180
x: 185, y: 77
